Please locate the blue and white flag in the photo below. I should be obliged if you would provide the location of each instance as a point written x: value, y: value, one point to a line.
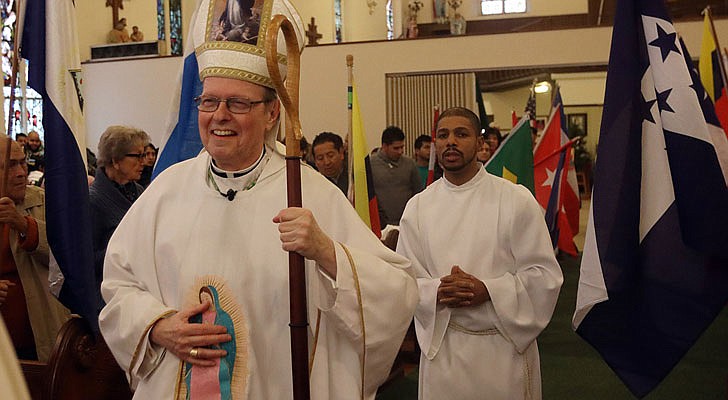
x: 654, y: 273
x: 50, y: 45
x: 183, y: 139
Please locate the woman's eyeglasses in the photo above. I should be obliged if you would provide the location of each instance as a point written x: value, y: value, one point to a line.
x: 138, y: 156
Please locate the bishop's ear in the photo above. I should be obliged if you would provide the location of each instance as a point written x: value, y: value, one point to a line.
x: 273, y: 112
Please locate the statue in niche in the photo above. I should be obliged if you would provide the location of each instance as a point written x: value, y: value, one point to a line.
x: 412, y: 29
x: 136, y: 34
x: 119, y: 34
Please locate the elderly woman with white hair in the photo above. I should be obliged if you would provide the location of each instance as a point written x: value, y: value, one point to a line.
x: 120, y: 164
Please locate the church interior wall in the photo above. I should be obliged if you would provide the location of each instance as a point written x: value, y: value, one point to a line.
x: 323, y: 11
x: 470, y: 10
x: 140, y: 92
x: 325, y: 72
x: 501, y: 103
x: 94, y: 21
x: 137, y: 93
x: 365, y: 26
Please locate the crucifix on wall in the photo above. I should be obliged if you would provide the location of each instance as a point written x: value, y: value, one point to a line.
x: 312, y: 33
x: 115, y: 5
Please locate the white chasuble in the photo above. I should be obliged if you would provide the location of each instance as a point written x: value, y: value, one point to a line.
x: 181, y: 230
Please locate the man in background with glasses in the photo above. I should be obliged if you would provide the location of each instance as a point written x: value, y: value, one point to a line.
x: 209, y: 241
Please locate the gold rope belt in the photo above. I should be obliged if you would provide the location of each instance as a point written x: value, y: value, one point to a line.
x: 460, y: 328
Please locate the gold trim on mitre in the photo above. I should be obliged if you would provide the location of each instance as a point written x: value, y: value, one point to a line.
x: 229, y: 38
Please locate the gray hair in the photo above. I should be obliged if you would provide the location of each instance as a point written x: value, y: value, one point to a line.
x: 117, y: 141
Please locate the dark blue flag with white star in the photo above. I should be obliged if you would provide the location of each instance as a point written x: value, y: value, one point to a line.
x: 654, y: 273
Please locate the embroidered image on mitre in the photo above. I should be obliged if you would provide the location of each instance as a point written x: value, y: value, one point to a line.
x: 229, y: 38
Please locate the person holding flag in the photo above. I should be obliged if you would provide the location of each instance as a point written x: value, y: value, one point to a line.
x: 218, y: 224
x: 485, y: 297
x: 32, y: 314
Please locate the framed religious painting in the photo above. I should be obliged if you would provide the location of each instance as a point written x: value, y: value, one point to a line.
x: 577, y: 125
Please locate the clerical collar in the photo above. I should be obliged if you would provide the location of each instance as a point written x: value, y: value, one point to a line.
x: 236, y: 174
x: 228, y: 184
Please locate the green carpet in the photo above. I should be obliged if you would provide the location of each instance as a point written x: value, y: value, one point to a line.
x: 571, y: 369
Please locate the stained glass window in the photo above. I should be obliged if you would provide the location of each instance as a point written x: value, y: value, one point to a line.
x: 390, y: 21
x: 338, y: 24
x: 160, y: 19
x: 8, y: 17
x: 33, y: 118
x: 175, y: 27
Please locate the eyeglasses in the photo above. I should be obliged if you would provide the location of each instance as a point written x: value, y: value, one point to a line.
x: 235, y: 105
x: 138, y: 156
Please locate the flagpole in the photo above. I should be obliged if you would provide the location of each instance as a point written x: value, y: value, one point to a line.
x: 723, y: 74
x: 350, y: 126
x: 288, y: 95
x: 433, y: 153
x: 14, y: 72
x: 13, y: 85
x: 560, y: 149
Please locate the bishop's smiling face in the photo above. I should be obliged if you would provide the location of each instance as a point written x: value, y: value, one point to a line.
x: 235, y: 141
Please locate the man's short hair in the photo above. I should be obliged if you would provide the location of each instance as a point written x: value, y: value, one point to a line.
x: 465, y: 113
x: 269, y: 94
x: 20, y: 134
x: 421, y: 140
x: 392, y: 134
x: 324, y: 137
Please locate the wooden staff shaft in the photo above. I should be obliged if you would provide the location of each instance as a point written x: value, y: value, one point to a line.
x: 13, y: 85
x: 297, y: 288
x: 288, y: 94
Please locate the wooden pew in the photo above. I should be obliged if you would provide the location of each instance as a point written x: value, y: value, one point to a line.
x: 80, y: 367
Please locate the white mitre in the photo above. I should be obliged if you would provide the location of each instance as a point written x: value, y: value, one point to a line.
x: 229, y: 37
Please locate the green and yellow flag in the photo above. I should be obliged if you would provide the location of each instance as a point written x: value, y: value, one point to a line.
x: 513, y: 160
